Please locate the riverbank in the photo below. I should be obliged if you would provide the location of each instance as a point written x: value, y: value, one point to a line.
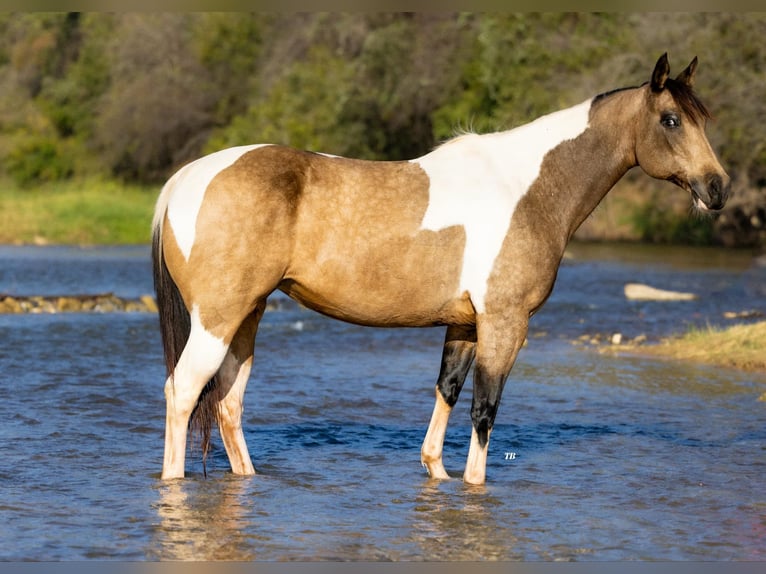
x: 741, y: 346
x: 82, y: 212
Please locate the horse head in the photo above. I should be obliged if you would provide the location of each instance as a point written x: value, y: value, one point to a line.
x: 671, y: 142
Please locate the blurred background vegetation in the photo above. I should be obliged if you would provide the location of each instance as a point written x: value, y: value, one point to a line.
x: 99, y: 99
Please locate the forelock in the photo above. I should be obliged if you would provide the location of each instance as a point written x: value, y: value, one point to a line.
x: 688, y: 101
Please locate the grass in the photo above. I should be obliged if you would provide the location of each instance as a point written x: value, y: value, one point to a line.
x: 739, y: 346
x: 83, y: 212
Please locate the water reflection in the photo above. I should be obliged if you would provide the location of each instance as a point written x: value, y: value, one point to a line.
x: 203, y: 520
x: 455, y: 521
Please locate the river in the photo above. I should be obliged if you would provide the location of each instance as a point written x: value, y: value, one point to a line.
x: 593, y: 457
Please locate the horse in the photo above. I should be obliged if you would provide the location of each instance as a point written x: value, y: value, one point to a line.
x: 469, y: 237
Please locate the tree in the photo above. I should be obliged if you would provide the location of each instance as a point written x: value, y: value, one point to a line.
x: 160, y: 103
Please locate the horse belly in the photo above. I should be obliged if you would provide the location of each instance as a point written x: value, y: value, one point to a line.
x: 399, y: 282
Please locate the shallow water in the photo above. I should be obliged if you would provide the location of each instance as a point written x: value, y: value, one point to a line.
x: 592, y: 457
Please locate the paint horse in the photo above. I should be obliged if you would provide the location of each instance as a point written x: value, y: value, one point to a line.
x: 469, y: 236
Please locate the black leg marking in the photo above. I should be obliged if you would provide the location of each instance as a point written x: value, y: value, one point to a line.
x: 487, y: 390
x: 457, y: 356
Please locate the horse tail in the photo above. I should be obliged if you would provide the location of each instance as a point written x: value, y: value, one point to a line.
x: 175, y: 327
x: 175, y: 321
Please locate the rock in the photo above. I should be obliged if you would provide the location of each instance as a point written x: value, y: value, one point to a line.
x: 10, y: 305
x: 102, y: 303
x: 641, y: 292
x: 41, y: 305
x: 638, y: 340
x: 68, y: 304
x: 108, y: 304
x: 748, y: 314
x: 149, y: 303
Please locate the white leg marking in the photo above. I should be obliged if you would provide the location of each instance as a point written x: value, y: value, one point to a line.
x: 185, y: 191
x: 199, y: 361
x: 476, y: 465
x: 433, y: 444
x: 476, y: 181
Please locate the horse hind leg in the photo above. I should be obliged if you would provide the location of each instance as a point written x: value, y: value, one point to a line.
x: 457, y: 356
x: 232, y: 378
x: 201, y: 358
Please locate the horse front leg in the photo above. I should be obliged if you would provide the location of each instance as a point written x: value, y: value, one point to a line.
x: 499, y: 341
x: 457, y: 356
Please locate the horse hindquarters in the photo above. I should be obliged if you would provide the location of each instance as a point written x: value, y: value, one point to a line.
x: 206, y: 373
x: 192, y: 358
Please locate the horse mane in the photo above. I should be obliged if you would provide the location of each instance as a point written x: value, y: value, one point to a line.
x: 605, y: 95
x: 683, y: 95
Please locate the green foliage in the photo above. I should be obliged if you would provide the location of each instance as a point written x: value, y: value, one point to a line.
x: 135, y: 95
x: 38, y: 159
x: 228, y: 45
x: 526, y: 65
x: 70, y: 98
x: 302, y: 109
x: 657, y: 225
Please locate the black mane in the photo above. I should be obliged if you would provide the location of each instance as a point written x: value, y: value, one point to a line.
x: 605, y: 95
x: 683, y: 94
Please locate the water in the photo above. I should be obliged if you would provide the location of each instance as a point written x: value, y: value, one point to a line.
x: 592, y: 457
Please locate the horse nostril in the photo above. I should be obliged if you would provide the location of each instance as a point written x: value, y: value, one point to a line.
x: 717, y: 190
x: 715, y: 183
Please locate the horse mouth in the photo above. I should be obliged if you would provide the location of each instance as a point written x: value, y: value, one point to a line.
x: 709, y: 195
x: 698, y: 204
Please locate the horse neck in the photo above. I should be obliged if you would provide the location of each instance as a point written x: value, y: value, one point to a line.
x: 578, y: 173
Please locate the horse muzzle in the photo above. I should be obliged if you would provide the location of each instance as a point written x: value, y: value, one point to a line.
x: 710, y: 192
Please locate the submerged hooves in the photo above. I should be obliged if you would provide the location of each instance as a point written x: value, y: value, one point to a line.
x: 435, y: 470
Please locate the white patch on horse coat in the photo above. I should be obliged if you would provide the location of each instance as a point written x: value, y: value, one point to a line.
x: 184, y: 192
x: 204, y: 352
x: 477, y: 180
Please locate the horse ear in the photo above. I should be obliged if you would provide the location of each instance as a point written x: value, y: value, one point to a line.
x: 661, y: 73
x: 687, y: 76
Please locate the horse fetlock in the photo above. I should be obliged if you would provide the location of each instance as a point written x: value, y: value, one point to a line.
x: 476, y: 464
x: 434, y: 466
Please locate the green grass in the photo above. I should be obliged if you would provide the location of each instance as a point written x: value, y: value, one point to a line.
x: 82, y: 212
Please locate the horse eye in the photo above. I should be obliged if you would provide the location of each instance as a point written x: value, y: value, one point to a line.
x: 670, y: 121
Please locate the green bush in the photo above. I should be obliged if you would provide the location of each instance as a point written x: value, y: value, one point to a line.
x: 302, y: 109
x: 665, y: 226
x: 39, y: 159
